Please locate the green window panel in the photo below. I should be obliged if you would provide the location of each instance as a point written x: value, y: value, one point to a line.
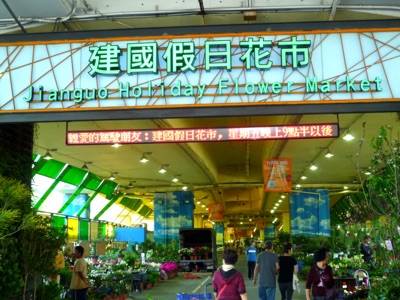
x: 145, y: 211
x: 50, y: 168
x: 93, y: 182
x: 83, y: 230
x: 74, y: 176
x: 59, y: 222
x: 131, y: 203
x: 102, y: 231
x: 108, y: 189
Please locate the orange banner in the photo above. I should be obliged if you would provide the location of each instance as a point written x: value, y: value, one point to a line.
x: 216, y: 211
x: 277, y: 175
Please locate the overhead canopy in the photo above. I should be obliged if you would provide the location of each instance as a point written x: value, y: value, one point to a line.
x: 64, y: 189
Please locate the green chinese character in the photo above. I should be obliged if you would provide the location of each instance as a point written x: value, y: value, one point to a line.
x: 142, y: 57
x: 104, y: 60
x: 180, y: 56
x: 255, y: 46
x: 297, y: 50
x: 218, y: 54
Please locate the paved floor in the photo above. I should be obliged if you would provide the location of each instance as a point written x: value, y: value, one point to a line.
x: 167, y: 290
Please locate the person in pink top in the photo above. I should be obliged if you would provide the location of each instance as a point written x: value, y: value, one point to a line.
x: 227, y: 282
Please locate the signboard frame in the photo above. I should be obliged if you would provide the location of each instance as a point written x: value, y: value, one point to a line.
x: 385, y: 105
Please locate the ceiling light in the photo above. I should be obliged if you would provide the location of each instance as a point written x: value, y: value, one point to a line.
x: 348, y: 137
x: 203, y: 206
x: 144, y: 159
x: 272, y: 211
x: 274, y: 221
x: 283, y: 196
x: 298, y: 186
x: 130, y: 185
x: 329, y: 154
x: 112, y: 176
x: 280, y: 201
x: 163, y: 170
x: 345, y: 187
x: 184, y: 188
x: 367, y: 173
x: 175, y: 179
x: 250, y: 220
x: 255, y: 229
x: 303, y: 177
x: 241, y: 223
x: 313, y: 167
x: 198, y: 202
x: 48, y: 155
x: 116, y: 145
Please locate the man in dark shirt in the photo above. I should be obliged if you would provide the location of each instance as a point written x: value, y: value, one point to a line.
x: 287, y: 267
x: 267, y: 266
x: 366, y: 249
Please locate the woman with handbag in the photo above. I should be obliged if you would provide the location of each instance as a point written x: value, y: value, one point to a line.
x: 227, y: 282
x: 320, y: 283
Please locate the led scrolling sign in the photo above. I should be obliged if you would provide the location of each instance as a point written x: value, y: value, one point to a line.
x: 192, y: 135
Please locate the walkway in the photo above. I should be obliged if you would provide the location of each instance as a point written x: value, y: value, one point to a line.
x: 167, y: 290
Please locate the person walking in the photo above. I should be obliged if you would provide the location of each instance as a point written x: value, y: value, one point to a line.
x: 79, y: 282
x: 320, y: 282
x: 266, y: 268
x: 227, y: 282
x: 251, y: 254
x: 287, y: 267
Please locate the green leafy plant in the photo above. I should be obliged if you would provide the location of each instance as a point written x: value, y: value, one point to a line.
x: 28, y: 244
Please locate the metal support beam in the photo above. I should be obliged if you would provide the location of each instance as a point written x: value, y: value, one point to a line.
x: 14, y: 16
x: 201, y: 5
x: 78, y: 190
x: 108, y: 205
x: 60, y: 175
x: 95, y: 193
x: 332, y: 15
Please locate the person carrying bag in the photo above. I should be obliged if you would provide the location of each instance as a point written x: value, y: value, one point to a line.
x: 227, y: 282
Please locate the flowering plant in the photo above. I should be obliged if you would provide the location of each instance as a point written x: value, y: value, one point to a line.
x: 169, y: 266
x: 186, y: 251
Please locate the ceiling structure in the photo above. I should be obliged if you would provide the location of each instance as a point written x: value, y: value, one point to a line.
x: 77, y: 15
x: 228, y: 172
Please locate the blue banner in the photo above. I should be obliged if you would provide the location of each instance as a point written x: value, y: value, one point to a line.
x: 131, y: 235
x: 310, y: 212
x: 172, y: 211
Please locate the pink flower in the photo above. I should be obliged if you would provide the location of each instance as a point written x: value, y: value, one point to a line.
x: 169, y: 266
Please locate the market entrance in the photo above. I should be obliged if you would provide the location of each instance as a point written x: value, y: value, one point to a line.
x: 219, y: 185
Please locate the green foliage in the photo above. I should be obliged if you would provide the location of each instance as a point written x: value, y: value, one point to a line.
x: 28, y: 244
x: 49, y: 291
x: 380, y: 191
x: 161, y: 253
x: 385, y: 288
